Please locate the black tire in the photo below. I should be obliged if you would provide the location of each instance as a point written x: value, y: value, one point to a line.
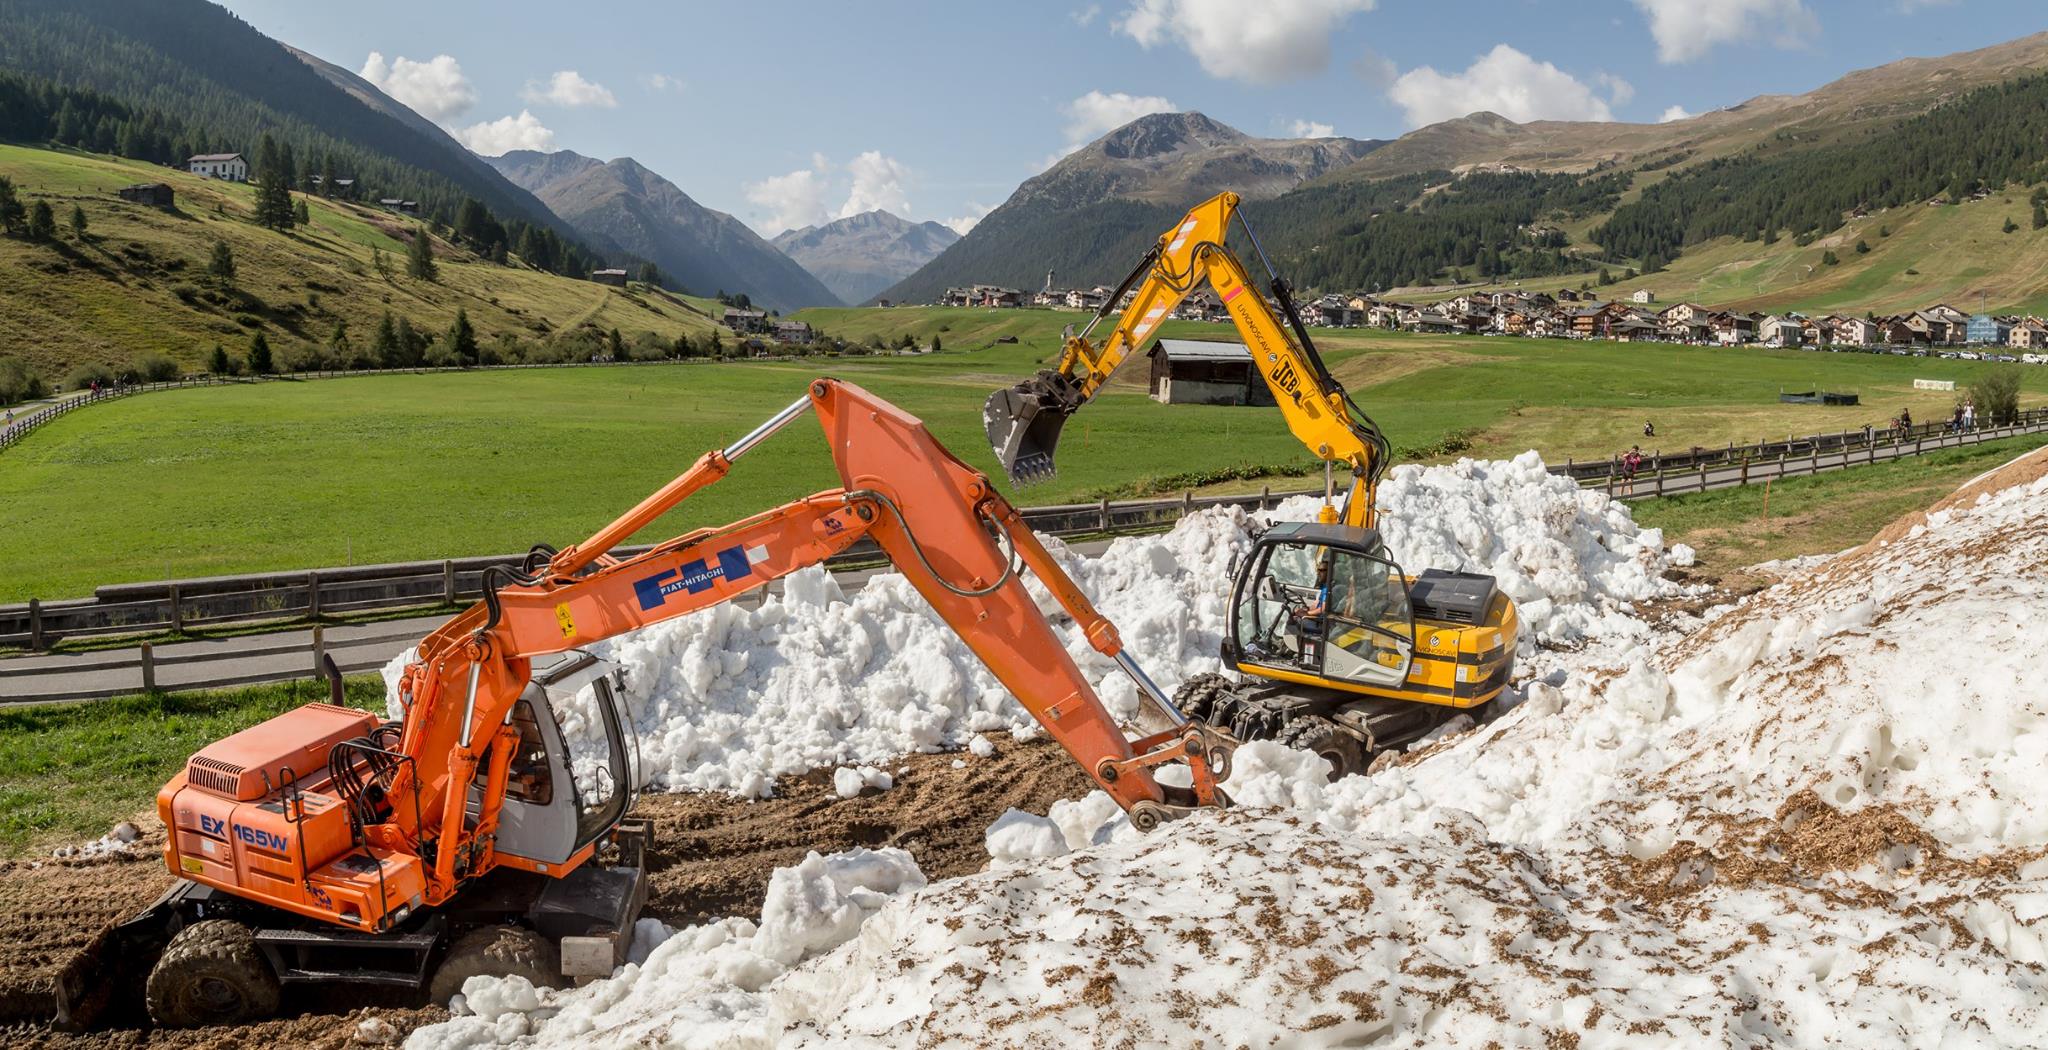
x: 496, y: 951
x: 211, y: 974
x: 1314, y: 733
x: 1197, y: 696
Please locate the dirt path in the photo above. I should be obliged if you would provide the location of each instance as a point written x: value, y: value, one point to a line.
x: 712, y: 856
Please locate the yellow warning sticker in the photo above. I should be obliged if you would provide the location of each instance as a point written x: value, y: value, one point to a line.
x: 568, y: 622
x: 191, y: 865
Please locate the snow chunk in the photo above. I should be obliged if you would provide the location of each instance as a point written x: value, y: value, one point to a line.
x: 1021, y: 836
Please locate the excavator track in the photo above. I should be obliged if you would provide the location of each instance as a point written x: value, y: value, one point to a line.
x: 1348, y: 730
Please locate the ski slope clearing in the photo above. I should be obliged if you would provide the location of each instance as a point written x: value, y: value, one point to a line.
x: 730, y: 698
x: 1807, y: 823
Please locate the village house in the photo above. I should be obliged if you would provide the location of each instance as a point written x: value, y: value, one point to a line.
x: 1201, y: 372
x: 1986, y: 330
x: 615, y: 278
x: 228, y: 167
x: 995, y: 296
x: 2029, y: 334
x: 793, y: 332
x: 1855, y: 331
x: 745, y: 320
x: 1678, y: 313
x: 1330, y: 311
x: 402, y: 207
x: 1048, y: 297
x: 154, y: 194
x: 1088, y: 298
x: 1926, y: 326
x: 1384, y: 315
x: 1643, y: 296
x: 1734, y: 329
x: 953, y: 297
x: 1634, y: 330
x: 1786, y: 330
x: 1510, y: 322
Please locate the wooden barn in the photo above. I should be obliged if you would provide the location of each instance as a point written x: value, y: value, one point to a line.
x: 1205, y: 372
x: 154, y: 194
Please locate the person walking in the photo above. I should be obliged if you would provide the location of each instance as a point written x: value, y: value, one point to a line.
x: 1905, y: 423
x: 1969, y: 415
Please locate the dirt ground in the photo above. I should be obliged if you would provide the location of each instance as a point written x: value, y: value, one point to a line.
x: 712, y: 856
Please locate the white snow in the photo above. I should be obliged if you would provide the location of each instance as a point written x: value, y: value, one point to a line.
x: 733, y: 697
x: 981, y: 747
x: 848, y: 781
x: 1807, y: 822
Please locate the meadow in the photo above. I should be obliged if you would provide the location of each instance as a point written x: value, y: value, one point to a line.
x: 288, y: 474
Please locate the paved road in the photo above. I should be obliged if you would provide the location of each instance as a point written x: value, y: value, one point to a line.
x: 218, y: 663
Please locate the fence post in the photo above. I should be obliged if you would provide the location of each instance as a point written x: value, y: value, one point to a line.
x: 1187, y: 502
x: 1265, y: 497
x: 319, y: 646
x: 312, y: 595
x: 35, y: 625
x: 148, y: 668
x: 1103, y: 511
x: 177, y: 611
x: 448, y: 582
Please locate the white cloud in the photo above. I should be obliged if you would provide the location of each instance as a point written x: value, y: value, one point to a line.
x: 435, y: 89
x: 1083, y: 17
x: 1265, y: 43
x: 660, y: 82
x: 1675, y: 112
x: 1311, y: 129
x: 976, y: 211
x: 877, y: 183
x: 792, y: 201
x: 568, y: 88
x: 505, y: 134
x: 1686, y: 29
x: 1619, y: 91
x: 1504, y: 81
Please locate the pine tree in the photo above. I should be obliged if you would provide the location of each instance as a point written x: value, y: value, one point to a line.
x: 2009, y: 226
x: 420, y: 257
x: 1863, y: 247
x: 1828, y: 258
x: 219, y: 364
x: 274, y: 189
x: 935, y: 344
x: 2040, y: 215
x: 384, y: 347
x: 13, y: 217
x: 259, y: 356
x: 301, y: 215
x: 222, y: 266
x: 462, y: 338
x: 615, y: 346
x: 682, y: 345
x: 650, y: 274
x: 411, y: 345
x: 42, y: 223
x: 78, y: 222
x: 327, y: 174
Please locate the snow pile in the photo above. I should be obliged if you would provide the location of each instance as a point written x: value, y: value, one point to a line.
x: 1571, y: 558
x: 701, y: 986
x: 1808, y: 823
x: 731, y: 698
x: 119, y: 840
x: 848, y: 781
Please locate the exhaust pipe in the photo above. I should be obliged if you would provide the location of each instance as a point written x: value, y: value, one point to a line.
x: 1024, y: 422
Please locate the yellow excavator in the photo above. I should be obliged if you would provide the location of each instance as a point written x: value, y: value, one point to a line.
x: 1340, y: 652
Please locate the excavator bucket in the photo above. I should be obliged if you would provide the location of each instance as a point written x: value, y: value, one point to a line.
x: 1024, y: 424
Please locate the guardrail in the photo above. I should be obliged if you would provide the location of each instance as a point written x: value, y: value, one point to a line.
x: 1792, y: 446
x: 1668, y: 480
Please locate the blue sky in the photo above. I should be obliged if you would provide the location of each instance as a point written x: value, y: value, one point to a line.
x: 785, y: 113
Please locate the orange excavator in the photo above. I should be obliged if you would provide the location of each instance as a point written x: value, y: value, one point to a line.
x: 476, y: 835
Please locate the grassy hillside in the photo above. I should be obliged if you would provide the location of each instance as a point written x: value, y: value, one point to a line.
x: 1919, y: 255
x: 137, y: 282
x: 387, y: 468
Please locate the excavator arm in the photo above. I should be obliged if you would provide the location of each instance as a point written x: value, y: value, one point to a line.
x: 961, y: 545
x: 1024, y: 421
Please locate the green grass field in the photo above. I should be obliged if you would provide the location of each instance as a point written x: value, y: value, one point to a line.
x: 128, y: 286
x: 285, y: 474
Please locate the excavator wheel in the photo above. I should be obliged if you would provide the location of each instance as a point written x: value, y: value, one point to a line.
x: 211, y: 974
x: 1197, y: 696
x: 496, y: 951
x: 1313, y: 733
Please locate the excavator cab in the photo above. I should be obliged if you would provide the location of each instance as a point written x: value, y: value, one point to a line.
x: 1325, y: 602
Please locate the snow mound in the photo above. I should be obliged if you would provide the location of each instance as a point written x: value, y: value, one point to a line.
x: 1808, y: 823
x: 733, y: 697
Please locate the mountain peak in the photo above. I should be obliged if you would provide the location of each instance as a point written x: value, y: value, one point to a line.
x: 1157, y: 134
x: 859, y: 256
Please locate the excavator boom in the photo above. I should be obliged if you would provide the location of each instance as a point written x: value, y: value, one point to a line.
x: 1024, y: 421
